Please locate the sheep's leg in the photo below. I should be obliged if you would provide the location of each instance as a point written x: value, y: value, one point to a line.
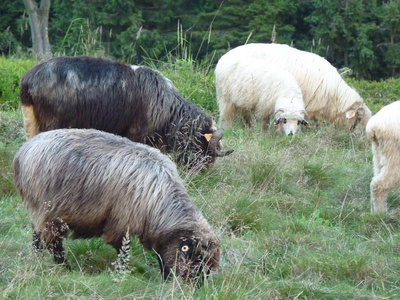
x: 381, y: 185
x: 376, y: 159
x: 57, y: 250
x: 247, y: 118
x: 227, y: 113
x: 378, y: 195
x: 52, y: 236
x: 36, y: 242
x: 30, y: 123
x: 265, y: 123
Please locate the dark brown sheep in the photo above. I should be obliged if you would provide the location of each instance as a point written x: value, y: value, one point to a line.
x: 135, y: 102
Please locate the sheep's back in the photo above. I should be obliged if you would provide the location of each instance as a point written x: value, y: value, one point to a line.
x: 254, y: 84
x: 86, y: 177
x: 385, y: 124
x: 318, y: 79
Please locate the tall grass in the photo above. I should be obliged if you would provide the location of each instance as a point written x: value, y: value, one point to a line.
x: 11, y: 136
x: 292, y: 213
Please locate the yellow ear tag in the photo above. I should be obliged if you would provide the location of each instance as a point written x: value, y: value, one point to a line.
x: 208, y: 136
x: 185, y: 248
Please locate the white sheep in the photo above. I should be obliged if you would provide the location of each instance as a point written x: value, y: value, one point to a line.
x: 383, y: 129
x: 247, y: 86
x: 326, y: 95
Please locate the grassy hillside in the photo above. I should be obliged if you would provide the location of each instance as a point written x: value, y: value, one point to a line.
x: 292, y: 213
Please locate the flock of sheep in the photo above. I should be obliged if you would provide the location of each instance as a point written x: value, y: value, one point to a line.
x: 92, y: 163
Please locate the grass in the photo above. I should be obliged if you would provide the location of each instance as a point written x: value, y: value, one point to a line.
x: 377, y: 93
x: 292, y: 213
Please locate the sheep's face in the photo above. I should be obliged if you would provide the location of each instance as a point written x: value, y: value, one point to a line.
x: 192, y: 258
x: 200, y: 149
x: 290, y: 123
x: 355, y: 115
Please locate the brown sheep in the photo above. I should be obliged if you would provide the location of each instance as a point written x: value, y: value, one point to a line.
x: 95, y: 183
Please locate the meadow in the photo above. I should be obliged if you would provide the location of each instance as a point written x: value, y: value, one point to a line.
x: 293, y: 214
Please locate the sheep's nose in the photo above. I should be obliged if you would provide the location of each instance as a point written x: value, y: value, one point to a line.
x: 290, y: 133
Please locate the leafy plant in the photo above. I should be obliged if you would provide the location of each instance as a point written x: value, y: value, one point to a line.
x: 11, y: 71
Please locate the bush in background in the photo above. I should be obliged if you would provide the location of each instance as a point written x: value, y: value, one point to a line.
x: 11, y: 71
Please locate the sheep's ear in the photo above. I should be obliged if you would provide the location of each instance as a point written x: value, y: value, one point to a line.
x: 277, y: 122
x: 279, y: 111
x: 306, y: 124
x: 350, y: 113
x: 361, y: 111
x: 277, y: 117
x: 304, y: 113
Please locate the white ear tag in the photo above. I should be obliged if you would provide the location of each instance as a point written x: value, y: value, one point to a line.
x: 350, y: 114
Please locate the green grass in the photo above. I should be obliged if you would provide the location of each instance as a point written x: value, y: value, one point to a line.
x: 292, y: 213
x: 377, y: 93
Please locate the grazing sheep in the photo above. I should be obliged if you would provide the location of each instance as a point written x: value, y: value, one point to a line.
x: 135, y: 102
x: 383, y: 129
x: 325, y: 94
x: 246, y: 86
x: 95, y: 183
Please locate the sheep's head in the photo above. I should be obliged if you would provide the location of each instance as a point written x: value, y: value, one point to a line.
x: 199, y: 148
x: 290, y: 122
x: 190, y: 255
x: 214, y: 148
x: 359, y: 113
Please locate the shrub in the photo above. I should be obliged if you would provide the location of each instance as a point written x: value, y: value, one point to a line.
x: 11, y: 71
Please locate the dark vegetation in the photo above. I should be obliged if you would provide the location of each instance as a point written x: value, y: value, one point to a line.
x: 361, y: 35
